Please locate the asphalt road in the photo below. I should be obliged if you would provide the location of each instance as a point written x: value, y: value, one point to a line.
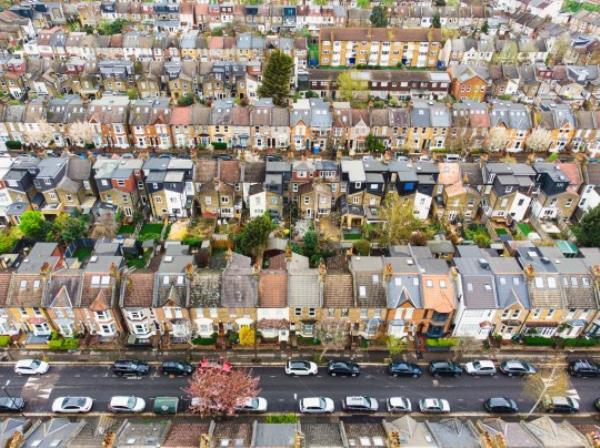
x: 465, y: 394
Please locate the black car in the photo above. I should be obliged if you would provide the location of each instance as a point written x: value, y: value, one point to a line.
x: 444, y: 368
x: 500, y: 405
x: 597, y: 404
x: 343, y: 368
x: 401, y: 368
x: 516, y: 367
x: 584, y: 367
x: 12, y: 404
x: 177, y: 368
x: 130, y: 367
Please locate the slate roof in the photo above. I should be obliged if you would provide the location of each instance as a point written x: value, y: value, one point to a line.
x: 322, y: 435
x: 514, y: 434
x: 206, y: 171
x: 478, y: 285
x: 64, y: 290
x: 206, y: 289
x: 272, y: 288
x: 239, y: 284
x: 369, y: 291
x: 32, y: 292
x: 544, y: 285
x: 454, y: 433
x: 576, y: 283
x: 411, y: 432
x: 136, y: 289
x: 254, y: 172
x: 404, y: 284
x: 511, y: 284
x: 304, y: 288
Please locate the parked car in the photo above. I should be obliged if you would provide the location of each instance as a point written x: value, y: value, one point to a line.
x: 584, y: 368
x: 444, y: 368
x: 273, y: 158
x: 130, y: 367
x: 500, y: 405
x: 597, y: 404
x: 343, y: 368
x: 257, y: 404
x: 360, y: 404
x: 181, y: 368
x: 300, y: 367
x: 398, y: 404
x: 222, y: 157
x: 11, y: 404
x: 401, y: 368
x: 31, y: 367
x: 560, y: 405
x: 516, y: 367
x: 480, y: 367
x: 424, y: 158
x: 450, y: 158
x: 75, y: 405
x: 316, y: 405
x: 122, y: 403
x: 434, y: 406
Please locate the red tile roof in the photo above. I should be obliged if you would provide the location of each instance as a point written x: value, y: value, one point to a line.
x: 137, y: 291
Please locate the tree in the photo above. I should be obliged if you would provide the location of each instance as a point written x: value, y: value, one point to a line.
x: 485, y: 28
x: 374, y: 144
x: 351, y: 84
x: 42, y: 134
x: 546, y: 383
x: 186, y: 100
x: 34, y: 226
x: 217, y: 32
x: 106, y: 226
x: 68, y: 228
x: 8, y: 239
x: 81, y: 133
x: 362, y: 247
x: 132, y: 94
x: 396, y: 346
x: 276, y: 78
x: 215, y: 392
x: 247, y: 336
x: 253, y: 237
x: 560, y: 48
x: 436, y: 22
x: 378, y: 17
x: 498, y: 139
x: 109, y: 28
x: 539, y: 140
x: 333, y: 334
x: 467, y: 346
x: 399, y: 222
x: 509, y: 52
x: 588, y: 229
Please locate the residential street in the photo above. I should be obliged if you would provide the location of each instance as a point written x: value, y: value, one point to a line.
x: 466, y: 394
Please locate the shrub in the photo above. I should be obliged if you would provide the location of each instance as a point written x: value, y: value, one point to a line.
x: 234, y: 337
x: 362, y: 247
x: 57, y: 343
x: 538, y: 341
x: 282, y: 418
x: 219, y: 145
x: 192, y: 240
x: 580, y: 342
x: 13, y: 144
x: 309, y: 340
x: 442, y: 342
x: 4, y: 341
x: 205, y: 341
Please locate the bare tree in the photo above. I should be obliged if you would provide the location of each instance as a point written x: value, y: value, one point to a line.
x: 546, y: 383
x: 41, y: 135
x: 561, y: 45
x: 106, y: 226
x: 539, y: 140
x: 333, y: 334
x: 396, y: 346
x: 467, y: 346
x: 217, y: 392
x: 498, y: 139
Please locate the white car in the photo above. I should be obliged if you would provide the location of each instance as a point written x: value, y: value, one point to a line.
x: 31, y: 367
x: 480, y: 367
x: 72, y: 405
x: 122, y: 403
x: 398, y: 404
x: 434, y: 406
x: 316, y: 405
x: 299, y: 367
x: 258, y: 404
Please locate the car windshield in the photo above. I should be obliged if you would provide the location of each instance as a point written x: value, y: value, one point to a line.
x: 131, y: 402
x: 253, y: 403
x: 476, y: 364
x: 74, y: 402
x: 322, y: 404
x: 35, y: 363
x: 298, y: 365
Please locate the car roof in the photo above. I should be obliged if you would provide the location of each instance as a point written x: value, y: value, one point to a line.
x: 514, y: 363
x: 312, y: 402
x: 355, y: 399
x: 120, y: 400
x: 398, y: 401
x: 484, y: 363
x: 25, y: 362
x: 432, y: 402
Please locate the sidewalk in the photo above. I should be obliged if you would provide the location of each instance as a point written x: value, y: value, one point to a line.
x: 278, y: 358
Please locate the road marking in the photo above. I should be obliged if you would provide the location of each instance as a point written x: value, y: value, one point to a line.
x: 272, y: 376
x: 435, y: 383
x: 77, y: 375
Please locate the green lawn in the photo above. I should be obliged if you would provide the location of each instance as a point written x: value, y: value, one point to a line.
x: 150, y: 232
x: 139, y: 263
x: 501, y: 231
x: 126, y: 229
x: 575, y: 6
x: 479, y: 234
x: 524, y: 228
x: 83, y: 253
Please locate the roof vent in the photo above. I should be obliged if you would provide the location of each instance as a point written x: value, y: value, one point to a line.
x: 168, y: 259
x: 94, y: 259
x: 409, y: 261
x: 484, y: 263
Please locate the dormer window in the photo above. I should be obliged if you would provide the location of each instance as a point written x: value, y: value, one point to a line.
x: 23, y: 284
x: 95, y: 280
x: 357, y: 184
x: 166, y: 280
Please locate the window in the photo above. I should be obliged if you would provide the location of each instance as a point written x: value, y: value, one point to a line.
x: 429, y: 283
x: 516, y: 314
x: 442, y: 284
x: 536, y: 313
x: 364, y: 313
x: 312, y: 312
x: 157, y: 199
x: 550, y: 313
x: 166, y: 280
x: 102, y: 315
x: 345, y: 312
x: 357, y: 185
x: 505, y: 314
x: 539, y: 282
x: 23, y: 284
x: 298, y: 312
x: 105, y: 281
x: 330, y: 312
x: 36, y: 284
x: 551, y: 283
x: 362, y: 291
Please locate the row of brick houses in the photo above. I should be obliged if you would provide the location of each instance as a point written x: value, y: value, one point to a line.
x: 172, y: 188
x: 116, y: 123
x: 408, y: 294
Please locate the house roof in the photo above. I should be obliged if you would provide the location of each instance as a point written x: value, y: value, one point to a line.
x: 239, y: 284
x: 337, y: 292
x: 52, y: 433
x: 478, y: 285
x: 143, y: 433
x: 304, y: 288
x: 136, y: 289
x: 412, y: 432
x: 513, y: 433
x: 253, y: 172
x: 272, y: 288
x: 205, y: 289
x: 369, y: 291
x: 206, y: 170
x: 511, y: 284
x: 64, y: 290
x: 322, y: 435
x: 454, y: 433
x: 436, y: 288
x: 229, y: 171
x: 185, y: 434
x: 552, y: 433
x: 27, y: 289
